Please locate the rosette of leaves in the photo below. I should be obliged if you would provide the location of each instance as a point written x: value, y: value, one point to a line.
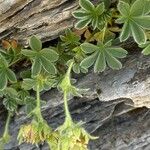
x: 6, y: 74
x: 101, y: 55
x: 135, y: 19
x: 89, y: 14
x: 41, y: 58
x: 45, y: 81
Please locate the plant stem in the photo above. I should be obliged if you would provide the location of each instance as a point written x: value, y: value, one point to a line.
x: 7, y: 125
x: 12, y: 63
x: 38, y: 104
x: 104, y: 32
x: 67, y: 113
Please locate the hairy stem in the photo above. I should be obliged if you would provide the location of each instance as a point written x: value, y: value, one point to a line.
x: 104, y: 32
x: 7, y: 125
x: 67, y: 113
x: 38, y: 104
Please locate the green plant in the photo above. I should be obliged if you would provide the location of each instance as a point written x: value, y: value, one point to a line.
x: 136, y: 19
x: 146, y: 46
x: 38, y: 131
x: 101, y: 54
x: 41, y: 58
x: 72, y: 135
x: 89, y: 14
x: 97, y: 45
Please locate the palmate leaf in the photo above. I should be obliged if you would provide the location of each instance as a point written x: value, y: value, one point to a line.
x: 102, y: 55
x: 89, y: 14
x: 41, y: 58
x: 136, y: 19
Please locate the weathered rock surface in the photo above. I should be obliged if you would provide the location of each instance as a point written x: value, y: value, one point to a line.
x: 20, y: 19
x: 109, y: 114
x: 113, y: 108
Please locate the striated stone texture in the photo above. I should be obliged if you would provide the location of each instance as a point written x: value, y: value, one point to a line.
x: 107, y: 108
x: 116, y: 106
x: 20, y: 19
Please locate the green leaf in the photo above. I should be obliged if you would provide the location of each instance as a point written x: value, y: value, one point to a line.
x: 107, y: 3
x: 11, y: 75
x: 28, y: 84
x: 95, y: 23
x: 124, y: 8
x: 76, y: 68
x: 81, y: 14
x: 35, y: 43
x: 125, y: 33
x: 86, y: 5
x: 138, y: 33
x: 117, y: 52
x: 89, y: 61
x: 3, y: 62
x: 138, y: 7
x: 89, y: 48
x: 147, y: 7
x: 103, y: 53
x: 11, y: 92
x: 29, y: 53
x: 36, y: 67
x: 10, y: 104
x: 120, y: 20
x: 100, y: 64
x: 90, y: 14
x: 48, y: 66
x: 146, y: 51
x: 82, y: 24
x: 112, y: 62
x: 143, y: 21
x: 49, y: 54
x: 3, y: 80
x: 100, y: 8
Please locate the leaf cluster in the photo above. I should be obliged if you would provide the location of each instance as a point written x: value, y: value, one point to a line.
x: 100, y: 28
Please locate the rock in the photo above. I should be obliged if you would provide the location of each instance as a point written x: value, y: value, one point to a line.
x: 19, y: 19
x: 116, y: 107
x: 107, y: 108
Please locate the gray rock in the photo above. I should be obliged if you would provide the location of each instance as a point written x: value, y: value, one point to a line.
x: 111, y: 114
